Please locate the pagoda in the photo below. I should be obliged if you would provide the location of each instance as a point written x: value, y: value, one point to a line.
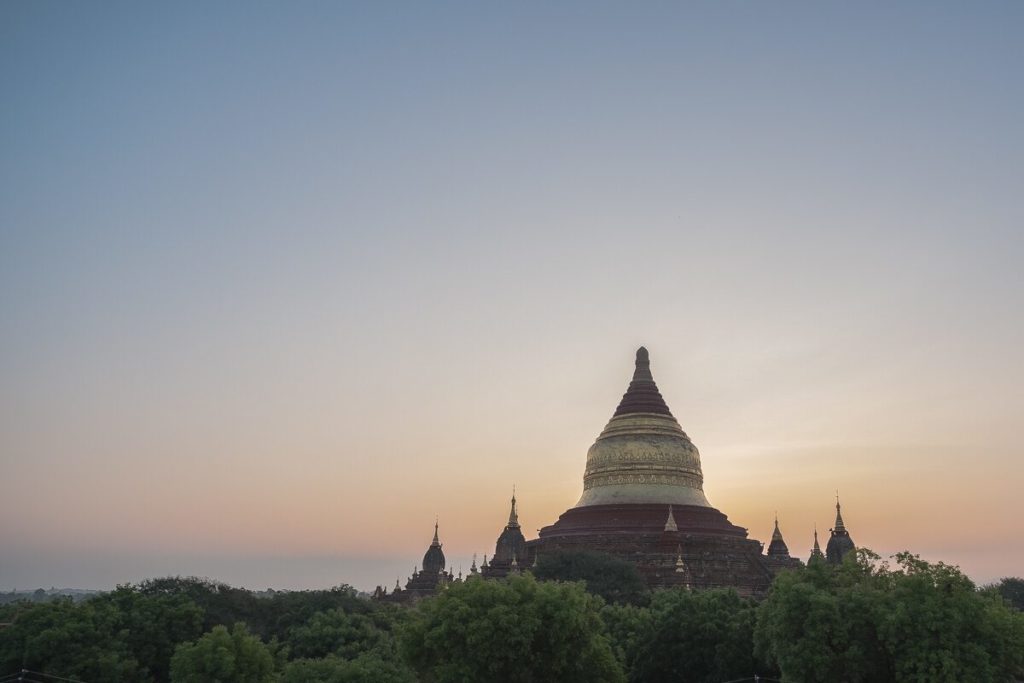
x: 423, y: 582
x: 839, y: 543
x: 510, y: 549
x: 643, y: 500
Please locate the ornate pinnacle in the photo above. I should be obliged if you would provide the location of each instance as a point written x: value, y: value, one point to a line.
x: 513, y: 516
x: 670, y: 523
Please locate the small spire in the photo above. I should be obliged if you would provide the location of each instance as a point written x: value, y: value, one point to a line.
x: 670, y: 523
x: 472, y: 567
x: 681, y: 568
x: 435, y: 542
x: 816, y: 550
x: 839, y: 515
x: 513, y: 516
x: 777, y: 535
x: 484, y: 565
x: 397, y: 587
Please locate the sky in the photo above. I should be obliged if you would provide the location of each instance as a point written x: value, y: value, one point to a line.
x: 281, y: 284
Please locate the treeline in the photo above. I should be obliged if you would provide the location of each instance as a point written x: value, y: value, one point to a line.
x: 579, y: 618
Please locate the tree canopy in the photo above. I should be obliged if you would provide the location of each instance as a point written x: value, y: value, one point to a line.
x: 614, y: 579
x: 862, y: 621
x: 507, y: 631
x: 704, y: 637
x: 223, y: 656
x: 867, y: 621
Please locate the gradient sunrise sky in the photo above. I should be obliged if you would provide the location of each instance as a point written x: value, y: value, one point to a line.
x: 280, y: 283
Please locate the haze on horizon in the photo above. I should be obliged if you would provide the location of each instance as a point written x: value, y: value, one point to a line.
x: 280, y: 284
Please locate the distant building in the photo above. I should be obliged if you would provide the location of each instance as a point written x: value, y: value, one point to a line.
x: 778, y: 557
x: 643, y: 501
x: 423, y: 582
x: 840, y: 543
x: 510, y: 549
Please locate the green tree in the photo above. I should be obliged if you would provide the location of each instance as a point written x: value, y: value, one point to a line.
x: 154, y: 625
x: 937, y: 627
x: 508, y: 631
x: 614, y: 579
x: 85, y: 641
x: 705, y: 637
x: 368, y: 667
x: 223, y: 656
x: 1012, y: 590
x: 627, y: 626
x: 269, y: 617
x: 863, y: 621
x: 339, y: 633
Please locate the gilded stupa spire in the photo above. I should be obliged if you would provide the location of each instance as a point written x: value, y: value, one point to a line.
x: 643, y: 455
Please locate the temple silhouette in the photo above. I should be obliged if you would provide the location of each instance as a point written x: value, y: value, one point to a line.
x: 643, y: 501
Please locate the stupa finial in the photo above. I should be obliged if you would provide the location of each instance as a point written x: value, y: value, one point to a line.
x: 643, y: 365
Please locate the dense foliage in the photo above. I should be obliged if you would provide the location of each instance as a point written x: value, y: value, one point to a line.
x: 867, y: 621
x: 514, y: 630
x: 1011, y: 589
x: 686, y: 636
x: 223, y: 656
x: 862, y: 621
x: 614, y: 579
